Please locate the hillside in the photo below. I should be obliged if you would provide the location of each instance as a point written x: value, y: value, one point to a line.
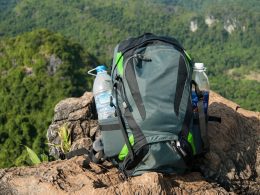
x: 222, y: 34
x: 37, y: 70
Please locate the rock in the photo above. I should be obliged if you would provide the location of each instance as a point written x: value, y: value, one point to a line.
x: 68, y: 106
x: 73, y: 177
x: 80, y: 117
x: 234, y: 145
x: 93, y: 128
x: 82, y: 143
x: 233, y: 161
x: 54, y: 63
x: 193, y: 25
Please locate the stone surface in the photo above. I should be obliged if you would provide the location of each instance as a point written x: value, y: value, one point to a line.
x: 54, y: 63
x: 82, y: 143
x: 80, y: 116
x: 234, y: 158
x: 231, y: 166
x: 75, y: 176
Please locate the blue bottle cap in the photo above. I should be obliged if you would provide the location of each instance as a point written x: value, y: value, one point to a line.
x: 101, y: 68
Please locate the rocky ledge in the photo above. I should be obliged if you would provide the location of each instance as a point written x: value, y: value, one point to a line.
x: 231, y: 167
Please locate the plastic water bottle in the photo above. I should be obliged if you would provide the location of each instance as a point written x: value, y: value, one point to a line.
x: 200, y: 77
x: 102, y: 92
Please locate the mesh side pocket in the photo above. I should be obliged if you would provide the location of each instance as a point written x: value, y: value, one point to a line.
x: 112, y: 136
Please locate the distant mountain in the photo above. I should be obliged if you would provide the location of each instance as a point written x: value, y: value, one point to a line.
x: 99, y: 25
x: 37, y: 70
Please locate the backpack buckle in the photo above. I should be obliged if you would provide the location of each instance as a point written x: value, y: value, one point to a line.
x: 177, y: 147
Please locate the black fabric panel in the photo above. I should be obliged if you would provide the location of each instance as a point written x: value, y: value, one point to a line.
x: 187, y: 119
x: 182, y: 76
x: 139, y: 143
x: 133, y: 42
x: 139, y: 138
x: 129, y: 165
x: 133, y: 85
x: 109, y: 127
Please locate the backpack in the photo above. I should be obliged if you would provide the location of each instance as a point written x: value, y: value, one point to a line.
x: 155, y: 128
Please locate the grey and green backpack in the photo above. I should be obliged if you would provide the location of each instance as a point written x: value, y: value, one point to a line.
x: 155, y: 128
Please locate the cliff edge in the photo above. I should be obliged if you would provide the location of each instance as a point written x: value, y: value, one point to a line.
x: 231, y: 166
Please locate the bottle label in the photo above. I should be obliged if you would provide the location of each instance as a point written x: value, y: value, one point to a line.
x: 103, y: 98
x: 195, y: 101
x: 103, y: 107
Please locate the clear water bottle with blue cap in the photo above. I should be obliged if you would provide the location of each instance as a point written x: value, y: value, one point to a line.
x: 102, y: 92
x: 200, y: 77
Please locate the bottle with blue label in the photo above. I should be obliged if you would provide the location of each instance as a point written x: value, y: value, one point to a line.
x: 200, y: 77
x: 102, y: 92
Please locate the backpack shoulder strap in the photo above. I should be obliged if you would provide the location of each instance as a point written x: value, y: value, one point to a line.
x: 121, y: 121
x: 202, y: 124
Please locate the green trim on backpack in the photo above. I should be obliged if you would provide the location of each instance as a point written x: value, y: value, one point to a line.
x: 191, y: 141
x: 123, y: 153
x: 119, y: 60
x: 187, y: 55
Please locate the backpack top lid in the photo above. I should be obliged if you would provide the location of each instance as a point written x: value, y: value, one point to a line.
x: 146, y: 37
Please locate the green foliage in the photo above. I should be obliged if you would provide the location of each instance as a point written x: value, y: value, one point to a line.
x: 44, y: 158
x: 65, y: 139
x: 33, y: 156
x: 38, y: 69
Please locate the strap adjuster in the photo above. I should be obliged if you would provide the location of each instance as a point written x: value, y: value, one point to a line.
x: 177, y: 145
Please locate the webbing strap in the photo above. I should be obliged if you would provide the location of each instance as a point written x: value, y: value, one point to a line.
x: 214, y: 118
x: 139, y: 137
x: 83, y: 151
x: 109, y: 127
x: 184, y: 144
x: 202, y: 124
x: 122, y: 124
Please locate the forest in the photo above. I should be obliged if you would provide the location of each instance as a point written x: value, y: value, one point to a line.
x: 47, y: 47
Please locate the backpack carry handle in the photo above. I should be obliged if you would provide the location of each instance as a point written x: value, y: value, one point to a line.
x: 90, y: 72
x: 100, y: 68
